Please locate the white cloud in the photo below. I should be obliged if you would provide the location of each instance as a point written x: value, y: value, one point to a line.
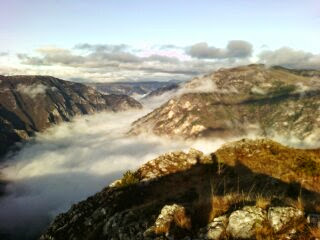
x: 73, y: 160
x: 234, y: 49
x: 32, y: 90
x: 291, y: 58
x: 105, y: 63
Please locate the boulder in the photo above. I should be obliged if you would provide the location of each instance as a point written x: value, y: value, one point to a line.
x: 280, y: 217
x: 171, y: 220
x: 243, y: 223
x: 214, y: 230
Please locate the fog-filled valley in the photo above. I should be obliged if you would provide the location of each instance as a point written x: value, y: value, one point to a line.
x: 159, y: 120
x: 71, y: 161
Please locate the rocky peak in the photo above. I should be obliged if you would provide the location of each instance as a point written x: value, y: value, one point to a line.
x: 170, y: 163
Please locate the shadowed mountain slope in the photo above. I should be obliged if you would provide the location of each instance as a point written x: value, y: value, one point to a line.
x: 200, y: 188
x: 30, y: 104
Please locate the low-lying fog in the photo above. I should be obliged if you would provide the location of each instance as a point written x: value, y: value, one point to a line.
x: 72, y: 161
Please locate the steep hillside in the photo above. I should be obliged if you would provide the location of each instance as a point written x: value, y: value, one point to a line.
x: 225, y: 195
x: 29, y: 104
x: 238, y: 101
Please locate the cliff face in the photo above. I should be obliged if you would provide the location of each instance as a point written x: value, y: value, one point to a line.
x: 224, y: 195
x: 29, y: 104
x: 238, y: 101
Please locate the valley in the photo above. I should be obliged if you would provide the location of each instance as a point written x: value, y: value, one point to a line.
x: 201, y: 168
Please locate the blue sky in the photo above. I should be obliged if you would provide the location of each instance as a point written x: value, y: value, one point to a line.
x: 26, y: 25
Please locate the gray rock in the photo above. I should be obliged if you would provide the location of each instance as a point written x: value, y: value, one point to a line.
x: 215, y: 229
x: 314, y: 219
x: 242, y: 223
x: 167, y: 215
x: 279, y: 217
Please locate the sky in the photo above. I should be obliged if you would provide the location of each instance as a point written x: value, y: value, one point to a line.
x: 43, y: 37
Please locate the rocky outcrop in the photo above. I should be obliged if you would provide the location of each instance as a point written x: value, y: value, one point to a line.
x: 29, y: 104
x: 170, y: 163
x: 214, y: 230
x: 243, y: 223
x: 179, y: 199
x: 280, y: 217
x: 172, y: 222
x: 247, y: 223
x: 239, y: 101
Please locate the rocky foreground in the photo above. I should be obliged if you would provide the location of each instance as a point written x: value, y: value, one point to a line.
x: 30, y: 104
x: 250, y: 189
x: 241, y: 101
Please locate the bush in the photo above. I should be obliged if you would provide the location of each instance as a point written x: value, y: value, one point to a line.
x: 129, y: 178
x: 307, y: 166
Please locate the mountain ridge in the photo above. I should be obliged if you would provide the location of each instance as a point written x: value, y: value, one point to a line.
x: 30, y: 104
x: 201, y: 189
x: 237, y: 101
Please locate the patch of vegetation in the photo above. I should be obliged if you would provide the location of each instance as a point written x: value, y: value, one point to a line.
x: 281, y: 90
x: 129, y: 178
x: 270, y: 158
x: 307, y: 165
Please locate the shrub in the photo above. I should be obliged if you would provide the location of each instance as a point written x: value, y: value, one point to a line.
x: 129, y: 178
x: 308, y: 166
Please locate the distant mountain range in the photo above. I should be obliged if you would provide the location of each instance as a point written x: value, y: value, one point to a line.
x: 30, y: 104
x: 238, y: 101
x: 131, y: 88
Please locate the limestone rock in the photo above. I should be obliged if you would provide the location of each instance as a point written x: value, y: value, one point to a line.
x: 279, y: 217
x: 242, y: 223
x: 215, y: 229
x: 170, y: 216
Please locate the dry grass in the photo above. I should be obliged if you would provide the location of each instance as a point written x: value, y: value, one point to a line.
x: 263, y: 202
x: 315, y: 232
x: 182, y: 220
x: 264, y: 232
x: 299, y: 204
x: 219, y: 206
x: 273, y: 159
x: 162, y: 229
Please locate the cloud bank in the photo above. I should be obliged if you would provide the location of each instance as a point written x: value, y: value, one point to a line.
x: 121, y: 62
x: 107, y: 62
x: 32, y: 90
x: 72, y: 161
x: 290, y: 58
x: 234, y: 49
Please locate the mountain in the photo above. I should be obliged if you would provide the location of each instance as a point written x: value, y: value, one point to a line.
x: 162, y: 90
x: 30, y: 104
x: 130, y: 88
x: 234, y: 193
x: 237, y: 101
